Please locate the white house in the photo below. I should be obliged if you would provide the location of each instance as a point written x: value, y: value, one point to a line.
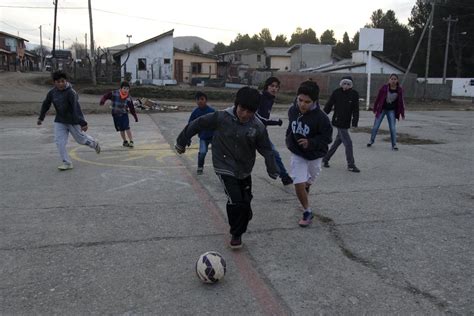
x: 149, y: 62
x: 278, y: 58
x: 358, y: 64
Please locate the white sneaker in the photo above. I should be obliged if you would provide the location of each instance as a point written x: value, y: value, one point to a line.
x: 65, y: 166
x: 97, y: 147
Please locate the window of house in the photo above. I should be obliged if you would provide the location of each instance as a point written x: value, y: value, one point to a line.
x: 167, y: 61
x: 196, y: 68
x: 141, y: 63
x: 238, y: 57
x: 259, y: 58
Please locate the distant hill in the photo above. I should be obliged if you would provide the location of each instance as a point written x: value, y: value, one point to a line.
x: 187, y: 42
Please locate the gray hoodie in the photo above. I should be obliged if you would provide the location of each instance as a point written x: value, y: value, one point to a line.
x: 66, y: 103
x: 234, y: 144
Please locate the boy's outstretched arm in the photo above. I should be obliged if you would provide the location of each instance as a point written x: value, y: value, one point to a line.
x: 105, y: 97
x: 205, y: 122
x: 44, y: 108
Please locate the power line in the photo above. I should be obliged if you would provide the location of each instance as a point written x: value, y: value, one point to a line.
x: 18, y: 29
x: 127, y: 15
x: 49, y: 8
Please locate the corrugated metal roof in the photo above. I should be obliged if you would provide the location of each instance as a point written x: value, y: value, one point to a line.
x: 277, y: 51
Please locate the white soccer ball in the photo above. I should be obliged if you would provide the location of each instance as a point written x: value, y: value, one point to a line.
x: 210, y: 267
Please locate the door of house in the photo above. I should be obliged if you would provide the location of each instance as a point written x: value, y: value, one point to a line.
x: 178, y: 70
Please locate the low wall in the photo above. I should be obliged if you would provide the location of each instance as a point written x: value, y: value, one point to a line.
x: 328, y: 82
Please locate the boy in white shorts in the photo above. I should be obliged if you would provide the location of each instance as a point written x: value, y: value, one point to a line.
x: 308, y: 137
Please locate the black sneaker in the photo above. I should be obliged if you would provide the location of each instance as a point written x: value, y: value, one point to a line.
x: 353, y: 169
x: 236, y: 242
x: 125, y: 144
x: 200, y: 170
x: 369, y: 144
x: 286, y: 180
x: 395, y: 148
x: 326, y: 164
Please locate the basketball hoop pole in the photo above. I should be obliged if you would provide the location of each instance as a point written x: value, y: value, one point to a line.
x: 369, y: 71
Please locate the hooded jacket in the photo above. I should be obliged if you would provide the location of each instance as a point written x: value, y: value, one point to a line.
x: 382, y: 95
x: 346, y: 108
x: 265, y: 108
x: 198, y: 112
x: 234, y: 143
x: 313, y: 125
x: 66, y: 103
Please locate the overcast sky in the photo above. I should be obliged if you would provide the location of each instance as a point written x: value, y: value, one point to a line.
x: 212, y: 20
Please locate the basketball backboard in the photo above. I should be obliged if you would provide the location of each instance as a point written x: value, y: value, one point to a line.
x: 371, y: 39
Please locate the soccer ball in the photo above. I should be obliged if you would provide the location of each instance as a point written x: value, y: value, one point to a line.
x: 210, y: 267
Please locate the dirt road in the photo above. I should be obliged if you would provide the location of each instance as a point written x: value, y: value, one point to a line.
x: 20, y: 95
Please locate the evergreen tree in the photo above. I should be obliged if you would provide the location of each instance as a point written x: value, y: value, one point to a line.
x: 343, y: 49
x: 328, y: 37
x: 461, y: 44
x: 397, y: 41
x: 196, y: 49
x: 280, y: 41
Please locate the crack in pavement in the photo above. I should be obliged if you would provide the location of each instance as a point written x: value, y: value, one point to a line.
x: 392, y: 278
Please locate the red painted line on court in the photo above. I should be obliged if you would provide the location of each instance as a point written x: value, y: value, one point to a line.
x: 267, y: 300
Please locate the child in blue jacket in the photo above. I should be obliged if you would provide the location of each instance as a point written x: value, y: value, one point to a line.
x: 205, y: 136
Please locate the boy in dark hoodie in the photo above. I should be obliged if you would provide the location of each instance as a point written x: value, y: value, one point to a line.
x: 308, y: 135
x: 270, y: 89
x: 69, y: 118
x: 238, y: 134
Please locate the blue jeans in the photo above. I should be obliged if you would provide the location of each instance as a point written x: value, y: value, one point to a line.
x: 203, y: 148
x: 279, y: 162
x: 391, y: 125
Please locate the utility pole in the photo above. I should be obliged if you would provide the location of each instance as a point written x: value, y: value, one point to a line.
x: 85, y: 37
x: 94, y: 79
x: 41, y: 49
x: 129, y: 36
x: 416, y: 48
x: 449, y: 20
x: 427, y: 65
x: 54, y: 28
x: 59, y: 38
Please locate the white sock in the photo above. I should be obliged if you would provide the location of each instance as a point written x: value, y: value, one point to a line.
x: 308, y: 210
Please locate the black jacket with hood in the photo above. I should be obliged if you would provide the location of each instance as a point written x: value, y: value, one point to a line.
x: 313, y: 125
x: 66, y: 103
x: 346, y: 108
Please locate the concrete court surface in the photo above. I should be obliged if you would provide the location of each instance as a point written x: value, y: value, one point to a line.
x: 120, y: 233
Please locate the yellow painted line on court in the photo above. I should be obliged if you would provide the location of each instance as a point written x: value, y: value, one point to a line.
x: 155, y: 151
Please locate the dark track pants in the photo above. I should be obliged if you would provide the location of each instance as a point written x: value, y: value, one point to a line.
x: 239, y: 196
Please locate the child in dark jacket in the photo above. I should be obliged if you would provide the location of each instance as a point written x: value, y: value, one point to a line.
x: 345, y: 102
x: 270, y: 89
x: 238, y: 134
x: 308, y: 135
x: 121, y: 104
x: 69, y: 118
x: 205, y: 136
